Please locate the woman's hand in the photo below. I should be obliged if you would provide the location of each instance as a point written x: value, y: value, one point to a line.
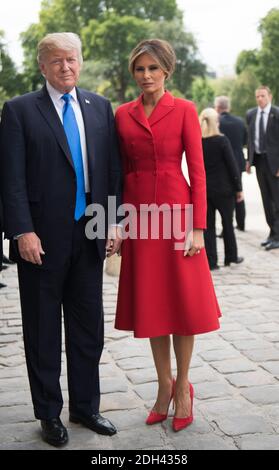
x: 114, y: 240
x: 194, y: 242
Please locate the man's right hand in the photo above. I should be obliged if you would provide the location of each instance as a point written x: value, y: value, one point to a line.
x: 30, y: 248
x: 248, y: 167
x: 239, y: 196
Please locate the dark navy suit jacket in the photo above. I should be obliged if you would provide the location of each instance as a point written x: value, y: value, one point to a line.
x: 272, y: 137
x: 38, y: 182
x: 235, y: 130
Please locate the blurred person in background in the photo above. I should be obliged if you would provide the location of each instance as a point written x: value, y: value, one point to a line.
x: 263, y: 152
x: 223, y: 187
x: 233, y: 127
x: 1, y: 242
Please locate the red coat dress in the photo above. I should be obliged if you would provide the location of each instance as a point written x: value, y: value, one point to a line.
x: 161, y: 292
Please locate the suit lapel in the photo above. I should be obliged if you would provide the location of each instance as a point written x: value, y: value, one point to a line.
x: 49, y: 112
x: 164, y: 106
x: 138, y: 114
x: 253, y: 124
x: 90, y: 124
x: 271, y: 116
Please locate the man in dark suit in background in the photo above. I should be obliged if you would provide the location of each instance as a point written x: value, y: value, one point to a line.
x: 263, y: 152
x: 234, y: 129
x: 1, y: 242
x: 59, y: 153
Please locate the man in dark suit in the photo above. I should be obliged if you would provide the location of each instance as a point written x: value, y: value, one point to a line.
x: 1, y: 243
x: 263, y: 152
x: 59, y: 153
x: 234, y: 128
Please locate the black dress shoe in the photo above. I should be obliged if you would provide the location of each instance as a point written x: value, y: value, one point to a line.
x: 241, y: 229
x: 267, y: 241
x: 4, y: 267
x: 6, y: 260
x: 237, y: 261
x: 96, y: 423
x: 272, y: 245
x: 53, y: 432
x: 2, y: 285
x: 212, y: 268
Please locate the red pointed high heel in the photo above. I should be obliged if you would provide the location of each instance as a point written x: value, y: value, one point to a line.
x: 181, y: 423
x: 155, y: 417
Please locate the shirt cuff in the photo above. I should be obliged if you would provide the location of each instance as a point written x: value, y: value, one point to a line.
x: 16, y: 237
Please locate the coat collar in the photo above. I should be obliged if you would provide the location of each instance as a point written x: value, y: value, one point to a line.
x: 48, y: 110
x: 164, y: 106
x: 90, y: 119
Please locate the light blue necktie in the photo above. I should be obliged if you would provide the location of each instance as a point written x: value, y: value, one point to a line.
x: 72, y: 133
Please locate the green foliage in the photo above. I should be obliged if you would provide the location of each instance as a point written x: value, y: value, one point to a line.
x: 112, y: 40
x: 109, y: 30
x: 222, y: 86
x: 60, y: 15
x: 74, y: 15
x: 188, y: 64
x: 243, y: 92
x: 92, y: 79
x: 175, y: 92
x: 268, y: 71
x: 202, y: 93
x: 30, y: 39
x: 263, y: 63
x: 144, y: 9
x: 10, y: 80
x: 55, y: 16
x: 92, y: 75
x: 3, y: 98
x: 247, y: 59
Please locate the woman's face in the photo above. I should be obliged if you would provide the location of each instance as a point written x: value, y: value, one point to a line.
x: 148, y: 74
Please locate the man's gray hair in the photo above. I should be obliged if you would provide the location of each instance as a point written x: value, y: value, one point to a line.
x: 65, y: 41
x: 223, y: 103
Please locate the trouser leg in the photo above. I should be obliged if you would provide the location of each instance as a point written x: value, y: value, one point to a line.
x: 41, y: 294
x: 84, y: 324
x: 210, y: 235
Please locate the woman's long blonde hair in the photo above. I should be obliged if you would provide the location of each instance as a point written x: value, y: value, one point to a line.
x: 209, y: 121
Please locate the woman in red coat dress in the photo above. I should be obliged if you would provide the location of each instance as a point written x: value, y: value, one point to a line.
x: 164, y: 291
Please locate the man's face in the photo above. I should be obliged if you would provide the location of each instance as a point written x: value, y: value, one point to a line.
x: 263, y: 98
x: 61, y: 69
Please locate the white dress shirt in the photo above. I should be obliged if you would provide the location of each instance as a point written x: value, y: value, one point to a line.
x: 266, y: 111
x: 56, y: 98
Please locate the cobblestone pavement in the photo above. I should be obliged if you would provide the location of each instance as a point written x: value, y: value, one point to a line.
x: 235, y: 371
